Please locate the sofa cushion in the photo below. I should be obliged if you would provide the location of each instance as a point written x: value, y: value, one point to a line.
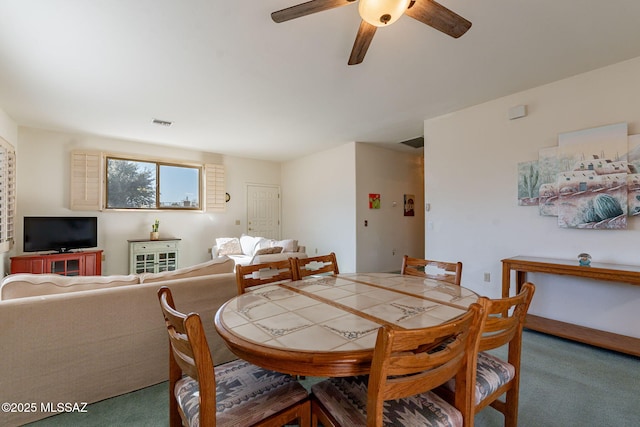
x: 288, y: 245
x: 229, y: 246
x: 28, y: 285
x: 216, y: 266
x: 250, y: 244
x: 270, y: 250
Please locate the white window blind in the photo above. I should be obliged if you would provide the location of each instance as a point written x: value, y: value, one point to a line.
x: 215, y: 188
x: 7, y: 194
x: 86, y: 181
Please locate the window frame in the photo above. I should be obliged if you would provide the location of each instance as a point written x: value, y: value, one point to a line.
x: 88, y: 183
x: 158, y: 163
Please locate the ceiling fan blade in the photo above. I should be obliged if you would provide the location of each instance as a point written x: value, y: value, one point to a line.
x: 307, y: 8
x: 438, y: 17
x: 363, y: 40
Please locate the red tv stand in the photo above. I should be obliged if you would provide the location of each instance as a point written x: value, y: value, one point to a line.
x: 82, y: 263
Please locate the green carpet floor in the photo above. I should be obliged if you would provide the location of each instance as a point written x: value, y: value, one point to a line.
x: 563, y: 384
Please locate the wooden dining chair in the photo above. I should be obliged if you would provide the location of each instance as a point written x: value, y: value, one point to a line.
x: 502, y: 325
x: 251, y: 275
x: 406, y: 365
x: 236, y: 393
x: 450, y: 272
x: 322, y: 264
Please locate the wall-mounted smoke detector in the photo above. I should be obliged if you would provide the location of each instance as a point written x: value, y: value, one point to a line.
x: 161, y: 122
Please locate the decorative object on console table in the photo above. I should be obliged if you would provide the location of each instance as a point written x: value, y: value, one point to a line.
x: 584, y: 259
x: 153, y: 256
x: 82, y: 263
x: 155, y: 234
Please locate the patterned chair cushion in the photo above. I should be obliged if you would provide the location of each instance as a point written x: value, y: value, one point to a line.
x: 346, y: 400
x: 245, y: 394
x: 491, y: 374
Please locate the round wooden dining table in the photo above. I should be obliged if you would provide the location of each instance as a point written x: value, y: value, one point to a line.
x: 326, y: 326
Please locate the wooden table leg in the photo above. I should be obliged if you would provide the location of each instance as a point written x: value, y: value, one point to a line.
x: 506, y: 279
x: 521, y: 277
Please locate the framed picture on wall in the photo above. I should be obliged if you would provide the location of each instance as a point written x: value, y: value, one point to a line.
x: 409, y: 200
x: 374, y: 201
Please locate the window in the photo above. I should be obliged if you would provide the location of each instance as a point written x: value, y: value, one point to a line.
x: 138, y: 184
x: 166, y: 185
x: 7, y: 194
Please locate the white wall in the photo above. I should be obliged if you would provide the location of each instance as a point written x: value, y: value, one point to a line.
x: 319, y: 203
x: 389, y: 234
x: 325, y: 203
x: 471, y: 159
x: 43, y: 182
x: 8, y: 131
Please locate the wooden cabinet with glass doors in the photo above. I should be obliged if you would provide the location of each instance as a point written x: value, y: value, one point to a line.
x: 153, y: 256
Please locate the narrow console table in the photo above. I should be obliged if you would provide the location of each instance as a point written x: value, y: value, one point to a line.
x: 522, y: 265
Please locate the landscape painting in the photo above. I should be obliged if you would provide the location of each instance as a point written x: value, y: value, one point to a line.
x: 591, y: 180
x: 549, y: 167
x: 633, y: 178
x: 592, y: 192
x: 528, y: 183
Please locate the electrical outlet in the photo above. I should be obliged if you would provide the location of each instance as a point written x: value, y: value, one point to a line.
x: 487, y: 277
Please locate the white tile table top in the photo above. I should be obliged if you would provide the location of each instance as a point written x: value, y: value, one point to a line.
x: 341, y: 313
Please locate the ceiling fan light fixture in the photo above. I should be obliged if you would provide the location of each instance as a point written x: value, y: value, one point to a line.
x: 382, y: 12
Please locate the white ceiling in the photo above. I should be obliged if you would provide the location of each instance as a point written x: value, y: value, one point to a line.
x: 235, y: 82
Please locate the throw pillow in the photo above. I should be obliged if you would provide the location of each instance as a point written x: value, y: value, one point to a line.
x: 271, y: 250
x: 288, y: 245
x: 229, y: 247
x: 261, y: 243
x: 249, y: 244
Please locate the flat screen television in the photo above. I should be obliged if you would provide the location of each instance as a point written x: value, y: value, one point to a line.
x: 59, y: 233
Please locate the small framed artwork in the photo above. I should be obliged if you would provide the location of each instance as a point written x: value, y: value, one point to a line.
x: 374, y: 201
x: 408, y: 204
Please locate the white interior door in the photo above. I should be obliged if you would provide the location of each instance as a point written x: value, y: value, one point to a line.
x: 263, y: 211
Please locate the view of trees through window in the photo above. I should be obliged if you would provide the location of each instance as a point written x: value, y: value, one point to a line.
x: 135, y: 184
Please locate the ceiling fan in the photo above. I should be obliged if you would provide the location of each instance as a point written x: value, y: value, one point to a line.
x: 380, y: 13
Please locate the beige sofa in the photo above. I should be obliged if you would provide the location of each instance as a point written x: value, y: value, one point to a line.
x: 84, y: 339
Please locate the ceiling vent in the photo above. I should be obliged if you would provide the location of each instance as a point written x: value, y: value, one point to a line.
x: 415, y: 142
x: 161, y: 122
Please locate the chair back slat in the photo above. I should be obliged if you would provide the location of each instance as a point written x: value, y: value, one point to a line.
x: 322, y: 264
x: 251, y: 275
x: 504, y: 319
x: 450, y: 272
